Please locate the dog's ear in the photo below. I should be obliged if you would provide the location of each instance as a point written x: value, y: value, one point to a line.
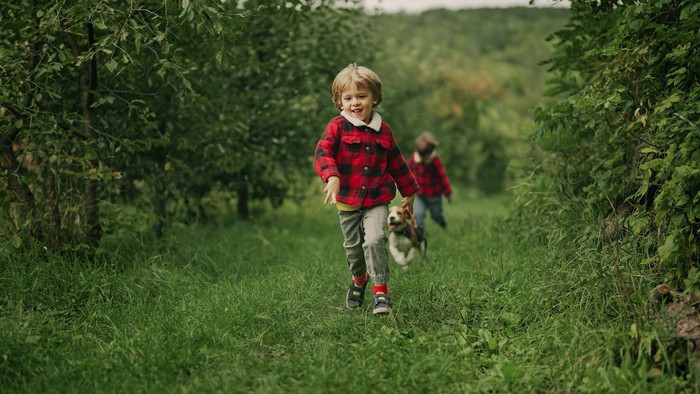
x: 408, y: 215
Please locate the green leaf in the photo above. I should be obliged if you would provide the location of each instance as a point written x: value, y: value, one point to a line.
x: 16, y: 241
x: 111, y: 65
x: 638, y: 224
x: 634, y: 331
x: 690, y: 10
x: 668, y: 248
x: 90, y: 153
x: 654, y: 164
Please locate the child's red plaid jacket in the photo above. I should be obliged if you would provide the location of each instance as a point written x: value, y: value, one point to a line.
x: 431, y: 176
x: 367, y: 160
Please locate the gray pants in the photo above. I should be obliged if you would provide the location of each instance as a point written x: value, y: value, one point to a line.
x: 365, y: 242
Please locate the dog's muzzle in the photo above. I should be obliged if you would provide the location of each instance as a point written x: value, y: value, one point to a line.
x: 393, y: 224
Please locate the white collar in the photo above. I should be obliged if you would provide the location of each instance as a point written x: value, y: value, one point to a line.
x: 375, y: 124
x: 418, y: 160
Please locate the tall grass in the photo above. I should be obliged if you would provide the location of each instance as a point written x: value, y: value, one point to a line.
x: 259, y: 307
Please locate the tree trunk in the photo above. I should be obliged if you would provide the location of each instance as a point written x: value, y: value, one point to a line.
x: 88, y: 83
x: 55, y: 231
x: 159, y: 208
x: 242, y: 204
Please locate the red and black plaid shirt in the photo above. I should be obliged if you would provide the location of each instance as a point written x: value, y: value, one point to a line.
x: 431, y: 176
x: 368, y: 162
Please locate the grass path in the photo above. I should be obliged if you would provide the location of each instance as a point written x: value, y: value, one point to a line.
x: 259, y: 307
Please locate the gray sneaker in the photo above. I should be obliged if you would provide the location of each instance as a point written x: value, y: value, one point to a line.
x: 382, y: 303
x: 355, y: 296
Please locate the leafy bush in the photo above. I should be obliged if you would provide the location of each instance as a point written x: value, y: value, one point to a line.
x: 623, y: 143
x: 153, y: 106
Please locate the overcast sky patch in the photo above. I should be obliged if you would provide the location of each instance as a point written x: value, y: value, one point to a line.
x: 422, y: 5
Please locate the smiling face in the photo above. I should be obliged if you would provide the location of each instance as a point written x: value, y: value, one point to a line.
x: 358, y: 102
x: 359, y: 81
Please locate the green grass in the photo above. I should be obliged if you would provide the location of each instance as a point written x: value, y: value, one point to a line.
x: 259, y: 307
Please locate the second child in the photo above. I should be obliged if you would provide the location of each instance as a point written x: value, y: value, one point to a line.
x: 428, y: 170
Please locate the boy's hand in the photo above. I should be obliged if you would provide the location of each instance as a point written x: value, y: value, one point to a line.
x: 332, y: 189
x: 407, y: 202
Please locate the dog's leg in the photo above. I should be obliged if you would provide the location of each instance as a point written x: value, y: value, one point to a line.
x: 410, y: 255
x: 406, y: 261
x: 423, y: 249
x: 398, y: 256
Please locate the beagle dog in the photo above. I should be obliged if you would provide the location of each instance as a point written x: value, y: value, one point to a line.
x: 405, y: 238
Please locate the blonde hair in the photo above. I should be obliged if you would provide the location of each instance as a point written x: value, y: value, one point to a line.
x: 425, y: 143
x: 362, y: 77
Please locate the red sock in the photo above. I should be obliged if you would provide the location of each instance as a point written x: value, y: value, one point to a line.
x: 361, y: 281
x: 380, y: 289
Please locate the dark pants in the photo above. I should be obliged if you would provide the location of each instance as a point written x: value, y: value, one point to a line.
x: 434, y: 205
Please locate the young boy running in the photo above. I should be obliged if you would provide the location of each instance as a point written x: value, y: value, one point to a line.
x: 360, y: 162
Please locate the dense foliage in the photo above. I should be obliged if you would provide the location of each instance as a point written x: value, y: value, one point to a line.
x: 470, y: 77
x: 119, y: 116
x: 622, y: 161
x: 124, y: 118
